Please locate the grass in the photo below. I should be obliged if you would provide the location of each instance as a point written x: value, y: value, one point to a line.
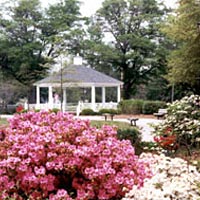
x: 3, y: 121
x: 98, y: 124
x: 120, y: 125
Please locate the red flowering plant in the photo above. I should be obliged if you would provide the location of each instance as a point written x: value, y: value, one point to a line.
x: 167, y: 140
x: 48, y: 155
x: 19, y: 108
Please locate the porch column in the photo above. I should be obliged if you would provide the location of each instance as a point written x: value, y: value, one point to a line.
x: 37, y: 97
x: 103, y: 96
x: 93, y: 97
x: 64, y: 99
x: 118, y: 94
x: 50, y: 97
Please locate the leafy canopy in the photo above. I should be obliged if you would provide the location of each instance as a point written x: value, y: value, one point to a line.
x: 133, y: 51
x: 182, y: 29
x: 32, y: 37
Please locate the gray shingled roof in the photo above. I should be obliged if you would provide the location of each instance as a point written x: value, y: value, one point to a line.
x: 76, y: 75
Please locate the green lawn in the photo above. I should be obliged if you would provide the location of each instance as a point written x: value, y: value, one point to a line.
x: 98, y: 124
x: 3, y: 121
x: 121, y: 125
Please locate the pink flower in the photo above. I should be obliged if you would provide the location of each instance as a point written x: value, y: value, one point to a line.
x: 102, y: 194
x: 39, y: 171
x: 47, y: 183
x: 47, y: 156
x: 61, y: 193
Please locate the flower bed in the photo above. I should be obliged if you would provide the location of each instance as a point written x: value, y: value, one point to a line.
x: 48, y: 155
x: 173, y: 179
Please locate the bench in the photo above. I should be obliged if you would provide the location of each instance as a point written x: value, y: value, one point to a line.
x: 106, y: 115
x: 161, y: 113
x: 133, y: 121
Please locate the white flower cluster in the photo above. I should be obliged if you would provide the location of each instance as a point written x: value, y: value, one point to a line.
x: 173, y: 179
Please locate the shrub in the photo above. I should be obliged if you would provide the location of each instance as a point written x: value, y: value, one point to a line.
x: 48, y: 155
x: 181, y: 124
x: 9, y: 109
x: 111, y: 111
x: 131, y: 106
x: 55, y: 110
x: 150, y: 107
x: 140, y: 106
x: 131, y: 134
x: 173, y: 179
x: 88, y: 111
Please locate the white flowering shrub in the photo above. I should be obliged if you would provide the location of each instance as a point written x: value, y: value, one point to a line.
x: 182, y: 122
x: 172, y: 178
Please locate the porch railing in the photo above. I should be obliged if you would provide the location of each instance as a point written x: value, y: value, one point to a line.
x: 73, y: 107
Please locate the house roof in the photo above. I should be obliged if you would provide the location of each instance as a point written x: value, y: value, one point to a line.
x: 78, y: 76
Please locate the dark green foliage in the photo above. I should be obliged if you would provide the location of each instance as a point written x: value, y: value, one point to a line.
x: 111, y: 111
x: 37, y: 110
x: 149, y: 146
x: 88, y: 111
x: 133, y: 55
x: 131, y: 106
x: 159, y: 88
x: 55, y: 110
x: 131, y: 134
x: 9, y: 109
x: 31, y: 38
x: 184, y: 60
x: 150, y: 107
x: 138, y: 106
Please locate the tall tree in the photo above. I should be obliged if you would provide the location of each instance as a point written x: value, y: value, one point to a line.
x: 31, y: 37
x: 134, y: 51
x: 184, y: 61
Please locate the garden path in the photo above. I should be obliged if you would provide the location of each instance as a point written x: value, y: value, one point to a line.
x: 144, y: 123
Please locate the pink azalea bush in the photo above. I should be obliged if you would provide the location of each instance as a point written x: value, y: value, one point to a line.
x: 48, y: 155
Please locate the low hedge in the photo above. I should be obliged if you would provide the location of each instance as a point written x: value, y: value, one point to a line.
x: 150, y: 107
x: 131, y: 106
x: 138, y: 106
x: 88, y: 111
x: 111, y: 111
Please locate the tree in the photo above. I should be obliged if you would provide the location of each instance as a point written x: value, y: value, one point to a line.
x: 184, y: 61
x: 31, y: 38
x: 134, y: 51
x: 10, y: 92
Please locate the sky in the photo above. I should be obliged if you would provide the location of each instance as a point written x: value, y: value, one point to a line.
x: 89, y: 7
